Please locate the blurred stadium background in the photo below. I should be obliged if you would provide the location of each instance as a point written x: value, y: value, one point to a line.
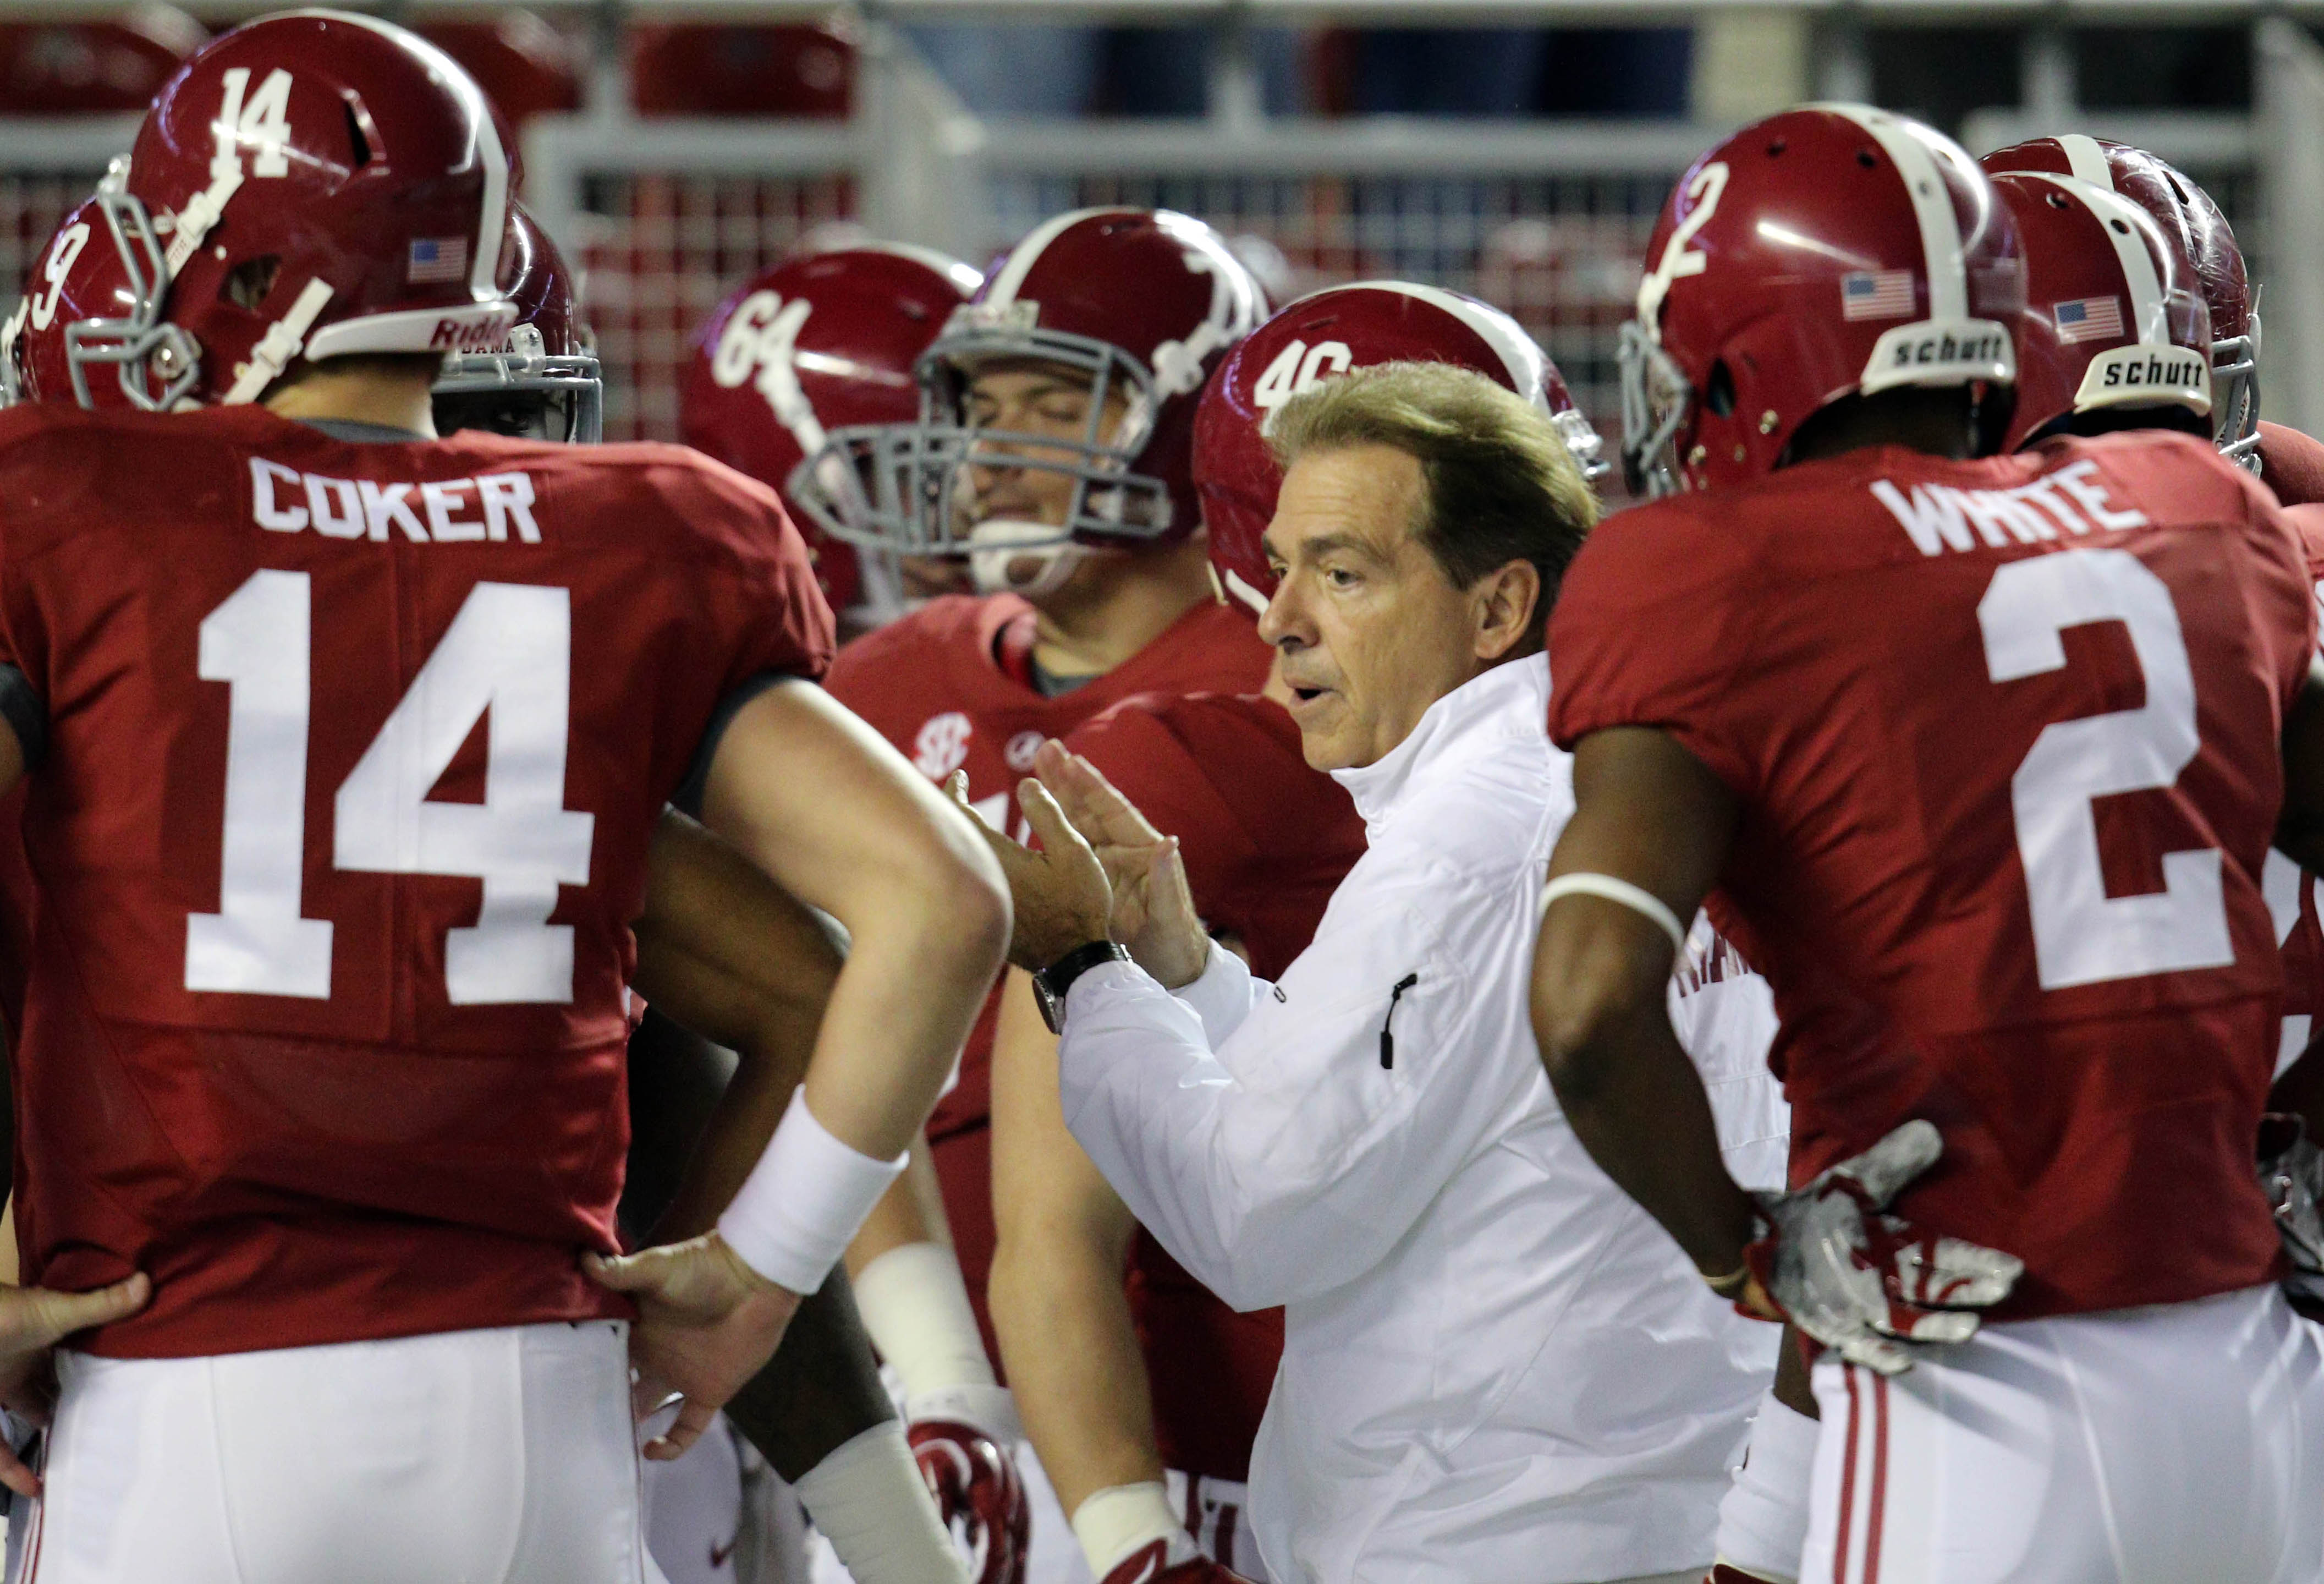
x: 1517, y: 150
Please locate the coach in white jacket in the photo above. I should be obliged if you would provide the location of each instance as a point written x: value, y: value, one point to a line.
x: 1496, y: 1366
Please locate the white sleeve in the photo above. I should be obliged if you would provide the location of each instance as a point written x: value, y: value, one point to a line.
x: 1222, y: 996
x: 1290, y: 1162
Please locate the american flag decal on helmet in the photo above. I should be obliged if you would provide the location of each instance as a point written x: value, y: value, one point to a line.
x: 1875, y: 294
x: 2088, y: 319
x: 434, y: 260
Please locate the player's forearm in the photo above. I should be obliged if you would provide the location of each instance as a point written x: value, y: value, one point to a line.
x: 745, y: 1118
x: 910, y: 1212
x: 821, y: 1389
x: 1071, y: 1348
x: 1635, y: 1100
x: 916, y: 977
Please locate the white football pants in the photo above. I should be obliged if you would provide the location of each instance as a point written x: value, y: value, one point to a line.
x: 2166, y: 1445
x: 490, y: 1457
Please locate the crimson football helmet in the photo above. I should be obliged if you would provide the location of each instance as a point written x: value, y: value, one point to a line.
x: 1828, y: 251
x: 820, y: 346
x: 979, y: 1495
x: 1329, y: 332
x: 1137, y: 304
x: 544, y: 380
x: 315, y: 184
x: 67, y: 283
x: 2183, y: 210
x: 2113, y: 319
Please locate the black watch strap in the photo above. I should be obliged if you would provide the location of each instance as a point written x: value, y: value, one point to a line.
x: 1051, y: 983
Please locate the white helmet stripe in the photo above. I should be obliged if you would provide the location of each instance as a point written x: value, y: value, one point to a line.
x: 2086, y: 160
x: 1028, y: 253
x: 492, y: 224
x: 1932, y: 205
x: 2149, y: 323
x: 1519, y: 353
x: 966, y: 277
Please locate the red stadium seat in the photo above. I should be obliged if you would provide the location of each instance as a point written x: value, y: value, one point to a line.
x: 700, y: 69
x: 526, y: 67
x: 93, y: 68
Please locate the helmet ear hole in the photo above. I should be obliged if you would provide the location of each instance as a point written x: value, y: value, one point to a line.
x: 1718, y: 390
x: 356, y: 141
x: 247, y: 284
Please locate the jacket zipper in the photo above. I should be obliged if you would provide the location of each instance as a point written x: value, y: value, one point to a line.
x: 1388, y: 1040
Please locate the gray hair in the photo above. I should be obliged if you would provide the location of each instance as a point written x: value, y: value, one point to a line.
x: 1499, y: 484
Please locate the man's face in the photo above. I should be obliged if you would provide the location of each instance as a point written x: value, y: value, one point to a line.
x: 1030, y: 397
x: 1370, y: 630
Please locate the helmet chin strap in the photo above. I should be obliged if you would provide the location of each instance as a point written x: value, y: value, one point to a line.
x: 997, y: 548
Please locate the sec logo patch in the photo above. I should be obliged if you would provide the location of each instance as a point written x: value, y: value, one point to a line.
x: 942, y: 746
x: 1020, y: 750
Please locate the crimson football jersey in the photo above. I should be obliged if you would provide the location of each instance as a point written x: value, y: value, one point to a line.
x: 1266, y: 841
x: 950, y: 686
x: 352, y: 756
x: 2005, y: 737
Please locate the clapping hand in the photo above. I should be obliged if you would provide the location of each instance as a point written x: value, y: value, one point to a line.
x: 1059, y: 889
x: 1153, y: 912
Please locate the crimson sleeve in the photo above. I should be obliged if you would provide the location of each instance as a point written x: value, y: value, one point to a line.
x: 1654, y: 626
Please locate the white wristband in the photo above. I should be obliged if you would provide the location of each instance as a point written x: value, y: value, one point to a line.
x: 800, y: 1206
x: 915, y: 1305
x: 868, y: 1499
x: 1607, y: 888
x: 1112, y: 1522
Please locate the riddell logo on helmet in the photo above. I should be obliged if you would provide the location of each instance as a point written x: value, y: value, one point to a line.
x: 489, y: 334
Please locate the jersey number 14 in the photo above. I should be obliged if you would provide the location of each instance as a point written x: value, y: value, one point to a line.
x: 509, y: 651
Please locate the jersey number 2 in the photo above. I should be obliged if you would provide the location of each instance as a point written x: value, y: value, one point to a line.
x: 2082, y: 936
x: 509, y: 651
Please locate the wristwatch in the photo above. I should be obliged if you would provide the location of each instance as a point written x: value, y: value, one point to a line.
x: 1050, y: 985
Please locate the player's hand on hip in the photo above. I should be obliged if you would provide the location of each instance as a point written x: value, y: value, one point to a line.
x: 1059, y: 889
x: 706, y: 1323
x: 2292, y: 1175
x: 32, y: 1322
x: 1862, y: 1282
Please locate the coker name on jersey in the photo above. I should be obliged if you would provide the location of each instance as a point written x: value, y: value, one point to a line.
x: 338, y: 844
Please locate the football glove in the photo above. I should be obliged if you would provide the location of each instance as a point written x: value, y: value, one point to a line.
x: 2292, y: 1175
x: 978, y: 1492
x: 1862, y: 1282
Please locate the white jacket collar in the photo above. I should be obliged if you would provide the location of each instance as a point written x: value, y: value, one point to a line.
x: 1510, y: 697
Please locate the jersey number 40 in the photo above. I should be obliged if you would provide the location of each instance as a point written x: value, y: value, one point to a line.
x: 508, y: 652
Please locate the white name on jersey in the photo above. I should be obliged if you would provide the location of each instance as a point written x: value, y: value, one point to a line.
x: 1939, y: 517
x: 447, y: 511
